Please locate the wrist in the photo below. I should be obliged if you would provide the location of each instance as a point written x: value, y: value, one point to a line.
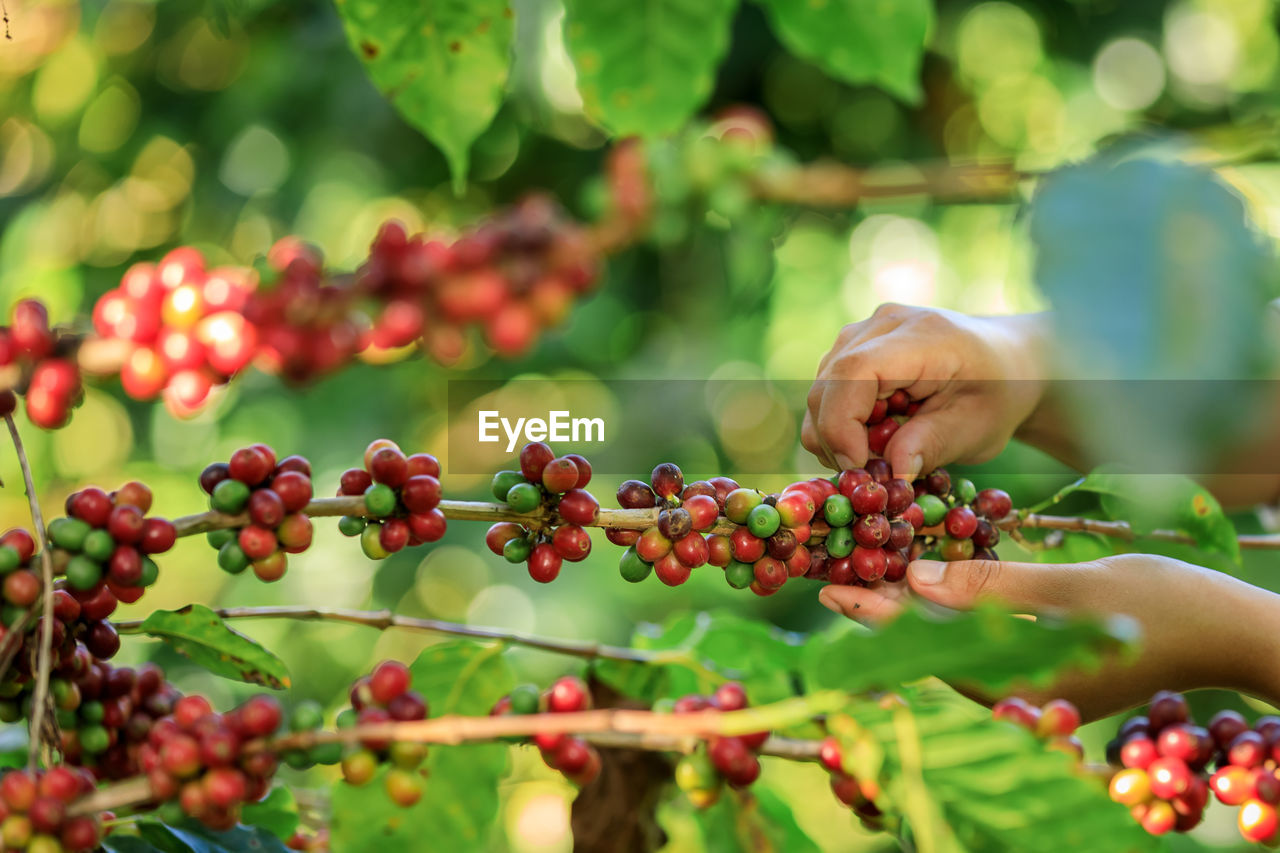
x: 1252, y: 651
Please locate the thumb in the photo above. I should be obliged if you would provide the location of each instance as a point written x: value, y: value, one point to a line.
x: 1035, y: 586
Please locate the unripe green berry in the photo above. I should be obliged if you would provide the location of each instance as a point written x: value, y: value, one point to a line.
x: 351, y: 525
x: 380, y: 500
x: 524, y: 497
x: 632, y: 568
x: 229, y: 496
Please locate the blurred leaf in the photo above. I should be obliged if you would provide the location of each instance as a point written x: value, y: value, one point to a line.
x: 858, y: 41
x: 755, y: 821
x: 193, y: 837
x: 198, y: 633
x: 1123, y: 251
x: 277, y: 813
x: 1077, y: 548
x: 645, y: 66
x: 460, y: 802
x: 986, y: 647
x: 995, y: 786
x: 719, y: 647
x: 442, y: 64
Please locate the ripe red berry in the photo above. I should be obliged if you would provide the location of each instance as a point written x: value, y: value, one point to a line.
x: 427, y: 526
x: 158, y: 536
x: 421, y: 493
x: 1225, y: 726
x: 872, y: 531
x: 354, y: 481
x: 20, y: 541
x: 960, y: 522
x: 544, y: 563
x: 730, y: 696
x: 1169, y: 777
x: 1249, y: 749
x: 180, y: 756
x: 409, y: 705
x: 500, y: 534
x: 795, y: 508
x: 125, y: 566
x: 570, y: 756
x: 1257, y: 821
x: 869, y: 498
x: 250, y: 466
x: 1180, y: 740
x: 747, y: 548
x: 125, y: 523
x: 670, y: 570
x: 1017, y: 710
x: 388, y: 680
x: 730, y: 756
x: 770, y: 573
x: 1232, y: 785
x: 830, y: 755
x: 667, y: 480
x: 394, y: 535
x: 257, y: 542
x: 559, y: 475
x: 266, y: 509
x: 225, y: 787
x: 568, y: 694
x: 878, y: 436
x: 533, y: 459
x: 571, y: 542
x: 1166, y: 709
x: 578, y: 507
x: 584, y: 469
x: 993, y: 504
x: 294, y: 533
x: 633, y: 494
x: 47, y: 814
x: 423, y: 464
x: 91, y: 505
x: 1058, y: 717
x: 294, y: 489
x: 18, y: 790
x: 869, y: 564
x: 1138, y: 752
x: 388, y: 465
x: 259, y: 716
x: 22, y: 588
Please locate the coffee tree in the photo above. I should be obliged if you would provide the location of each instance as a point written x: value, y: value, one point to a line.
x: 710, y: 727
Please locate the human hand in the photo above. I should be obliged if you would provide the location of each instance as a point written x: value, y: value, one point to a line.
x: 979, y: 378
x: 1200, y: 628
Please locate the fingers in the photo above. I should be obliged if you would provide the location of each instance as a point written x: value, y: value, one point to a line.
x: 935, y: 436
x: 1035, y: 586
x: 841, y: 416
x: 868, y: 606
x: 813, y: 443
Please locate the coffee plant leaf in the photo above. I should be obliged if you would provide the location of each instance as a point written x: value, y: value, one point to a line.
x: 645, y: 66
x: 197, y: 633
x: 443, y: 65
x: 858, y: 41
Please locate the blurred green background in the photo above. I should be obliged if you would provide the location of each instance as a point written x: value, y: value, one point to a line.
x: 127, y: 128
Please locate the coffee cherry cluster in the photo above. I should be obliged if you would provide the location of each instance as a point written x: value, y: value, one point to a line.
x: 106, y: 713
x: 574, y: 757
x: 961, y: 520
x: 512, y: 276
x: 274, y: 495
x: 197, y: 758
x: 47, y: 373
x: 22, y: 580
x: 871, y: 519
x: 383, y: 696
x: 183, y: 325
x: 858, y: 794
x: 734, y: 760
x: 34, y: 812
x: 1055, y: 723
x: 675, y: 546
x: 401, y: 495
x: 557, y: 484
x: 1166, y: 780
x: 106, y: 539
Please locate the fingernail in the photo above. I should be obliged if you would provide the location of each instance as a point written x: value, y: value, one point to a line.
x: 927, y: 572
x: 826, y: 601
x: 844, y: 462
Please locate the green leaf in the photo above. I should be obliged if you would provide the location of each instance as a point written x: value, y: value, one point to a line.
x: 993, y: 785
x: 1149, y: 501
x: 986, y: 647
x: 1123, y: 248
x: 705, y: 650
x: 754, y: 821
x: 858, y: 41
x: 460, y: 803
x: 198, y: 633
x: 442, y: 64
x: 645, y: 66
x: 277, y: 813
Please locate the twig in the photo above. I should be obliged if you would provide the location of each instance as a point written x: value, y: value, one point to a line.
x: 612, y: 728
x: 44, y: 656
x: 1123, y: 530
x: 387, y: 619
